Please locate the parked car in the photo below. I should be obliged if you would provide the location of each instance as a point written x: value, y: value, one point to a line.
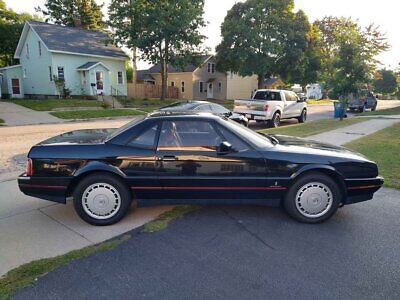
x: 365, y: 100
x: 272, y: 106
x: 197, y: 158
x: 205, y: 106
x: 302, y: 96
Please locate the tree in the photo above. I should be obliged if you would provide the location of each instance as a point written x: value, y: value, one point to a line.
x: 165, y: 32
x: 66, y: 12
x: 264, y: 38
x: 335, y: 32
x: 11, y: 25
x: 386, y: 82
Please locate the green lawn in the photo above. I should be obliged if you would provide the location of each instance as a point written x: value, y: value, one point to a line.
x: 383, y: 147
x: 92, y: 114
x: 383, y: 112
x: 322, y: 101
x: 27, y: 274
x: 48, y: 105
x: 311, y: 128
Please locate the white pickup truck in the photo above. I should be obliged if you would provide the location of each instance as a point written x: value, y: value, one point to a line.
x: 272, y: 106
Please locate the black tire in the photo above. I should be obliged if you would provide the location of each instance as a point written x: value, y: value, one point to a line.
x: 276, y: 120
x: 293, y: 207
x: 303, y: 116
x: 374, y: 108
x: 362, y: 109
x: 117, y: 187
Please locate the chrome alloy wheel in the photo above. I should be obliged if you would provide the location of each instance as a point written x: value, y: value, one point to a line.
x: 314, y: 199
x: 101, y: 201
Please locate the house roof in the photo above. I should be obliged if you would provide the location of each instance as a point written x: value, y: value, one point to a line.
x: 173, y: 69
x: 271, y: 81
x: 72, y: 40
x: 91, y: 64
x: 144, y: 75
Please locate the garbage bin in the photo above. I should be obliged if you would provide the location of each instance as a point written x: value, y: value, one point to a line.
x: 339, y: 110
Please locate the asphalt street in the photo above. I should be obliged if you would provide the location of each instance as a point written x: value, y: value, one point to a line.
x: 245, y: 253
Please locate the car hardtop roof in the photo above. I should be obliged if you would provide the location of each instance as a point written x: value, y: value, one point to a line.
x: 182, y: 114
x: 272, y: 90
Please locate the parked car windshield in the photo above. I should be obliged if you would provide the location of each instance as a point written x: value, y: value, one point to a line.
x: 268, y: 96
x: 247, y: 134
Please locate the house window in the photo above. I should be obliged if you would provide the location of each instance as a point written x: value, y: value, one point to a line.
x: 220, y: 87
x: 201, y: 87
x: 15, y: 86
x: 172, y: 83
x: 211, y: 68
x: 60, y: 73
x: 27, y: 50
x: 120, y: 78
x: 183, y: 86
x: 40, y: 48
x: 50, y: 73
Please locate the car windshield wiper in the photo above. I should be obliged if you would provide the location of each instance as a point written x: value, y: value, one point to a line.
x: 273, y: 139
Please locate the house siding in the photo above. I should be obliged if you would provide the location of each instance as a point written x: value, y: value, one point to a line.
x: 178, y: 78
x: 74, y: 80
x: 35, y: 67
x: 239, y: 87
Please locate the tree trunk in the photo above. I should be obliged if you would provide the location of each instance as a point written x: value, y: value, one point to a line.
x: 164, y: 70
x: 134, y: 65
x: 260, y: 81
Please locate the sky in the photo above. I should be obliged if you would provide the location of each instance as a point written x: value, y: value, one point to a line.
x: 383, y: 13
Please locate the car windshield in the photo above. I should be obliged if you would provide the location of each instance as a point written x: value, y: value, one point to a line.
x: 179, y: 106
x: 125, y: 127
x: 249, y: 135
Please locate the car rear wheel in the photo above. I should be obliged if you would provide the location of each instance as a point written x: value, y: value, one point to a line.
x: 276, y: 120
x: 374, y: 108
x: 313, y: 198
x: 362, y: 109
x: 101, y: 199
x: 303, y: 116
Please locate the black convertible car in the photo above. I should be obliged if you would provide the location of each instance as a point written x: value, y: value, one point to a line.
x: 175, y: 158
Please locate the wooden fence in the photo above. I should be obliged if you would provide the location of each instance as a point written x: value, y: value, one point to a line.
x: 146, y: 90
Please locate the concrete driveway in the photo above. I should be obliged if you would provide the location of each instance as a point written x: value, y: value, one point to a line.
x: 245, y: 253
x: 14, y: 114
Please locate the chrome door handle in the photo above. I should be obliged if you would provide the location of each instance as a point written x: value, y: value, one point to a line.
x: 168, y: 158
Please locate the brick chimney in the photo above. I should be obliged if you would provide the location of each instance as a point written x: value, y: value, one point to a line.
x: 77, y: 23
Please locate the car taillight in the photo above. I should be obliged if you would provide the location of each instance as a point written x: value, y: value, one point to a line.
x: 29, y: 168
x: 266, y: 107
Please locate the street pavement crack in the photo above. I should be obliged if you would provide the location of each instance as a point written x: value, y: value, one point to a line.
x: 253, y: 234
x: 70, y: 229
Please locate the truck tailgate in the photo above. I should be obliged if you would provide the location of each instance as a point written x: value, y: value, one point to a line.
x: 249, y: 107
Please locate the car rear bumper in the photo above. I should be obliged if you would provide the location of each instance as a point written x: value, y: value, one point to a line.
x: 48, y: 188
x: 362, y: 189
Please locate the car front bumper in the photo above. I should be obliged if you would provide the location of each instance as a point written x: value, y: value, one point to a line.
x: 362, y: 189
x: 48, y: 188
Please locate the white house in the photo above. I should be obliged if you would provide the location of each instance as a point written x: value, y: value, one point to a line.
x: 86, y: 60
x: 314, y: 91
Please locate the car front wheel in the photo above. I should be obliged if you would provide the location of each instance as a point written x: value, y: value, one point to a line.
x: 303, y: 116
x: 101, y: 199
x: 313, y: 198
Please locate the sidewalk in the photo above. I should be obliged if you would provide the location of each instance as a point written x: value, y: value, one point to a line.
x: 15, y: 115
x: 347, y: 134
x: 31, y: 229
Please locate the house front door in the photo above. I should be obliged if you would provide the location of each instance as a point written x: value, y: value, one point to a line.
x: 210, y: 91
x: 15, y: 86
x: 100, y: 82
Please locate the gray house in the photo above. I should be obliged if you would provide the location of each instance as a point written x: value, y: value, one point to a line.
x: 86, y: 60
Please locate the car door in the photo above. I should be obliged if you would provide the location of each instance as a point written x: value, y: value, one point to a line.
x: 137, y: 160
x: 293, y: 107
x: 191, y: 169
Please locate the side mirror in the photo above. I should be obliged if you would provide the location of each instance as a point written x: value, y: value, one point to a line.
x: 225, y: 148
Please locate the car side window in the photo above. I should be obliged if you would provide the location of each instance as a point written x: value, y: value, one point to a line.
x: 237, y: 143
x: 188, y: 135
x: 146, y: 139
x: 288, y: 96
x: 218, y: 109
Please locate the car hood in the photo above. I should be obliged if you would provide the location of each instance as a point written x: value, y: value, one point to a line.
x: 85, y: 136
x: 300, y: 145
